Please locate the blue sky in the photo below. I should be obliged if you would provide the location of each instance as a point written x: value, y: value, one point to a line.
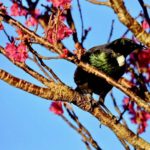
x: 27, y: 124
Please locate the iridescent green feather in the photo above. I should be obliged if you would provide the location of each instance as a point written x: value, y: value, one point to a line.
x: 102, y: 62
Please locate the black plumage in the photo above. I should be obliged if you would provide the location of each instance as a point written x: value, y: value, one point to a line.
x: 109, y: 58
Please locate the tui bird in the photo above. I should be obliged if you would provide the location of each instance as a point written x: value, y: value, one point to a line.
x: 109, y: 58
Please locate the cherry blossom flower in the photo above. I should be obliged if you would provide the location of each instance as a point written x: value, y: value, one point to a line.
x: 56, y: 108
x: 144, y: 57
x: 2, y: 7
x: 11, y: 50
x: 64, y: 54
x: 33, y: 20
x: 145, y: 25
x: 59, y: 33
x: 61, y: 3
x: 17, y: 11
x: 22, y: 54
x: 1, y: 26
x: 17, y: 53
x: 138, y: 116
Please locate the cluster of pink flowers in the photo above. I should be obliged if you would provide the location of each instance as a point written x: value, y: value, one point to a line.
x: 56, y: 108
x: 58, y: 30
x: 15, y: 10
x: 33, y: 19
x: 17, y: 53
x: 143, y: 59
x: 139, y: 116
x: 61, y: 3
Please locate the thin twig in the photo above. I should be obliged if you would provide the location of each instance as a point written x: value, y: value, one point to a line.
x: 106, y: 3
x: 44, y: 65
x: 9, y: 38
x: 83, y: 129
x: 111, y: 31
x: 27, y: 69
x: 79, y: 130
x: 81, y: 18
x: 117, y: 109
x: 81, y: 101
x: 147, y: 5
x: 146, y: 15
x: 42, y: 69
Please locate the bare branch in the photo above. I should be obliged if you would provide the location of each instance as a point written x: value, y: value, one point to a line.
x: 130, y: 22
x: 58, y: 91
x: 85, y: 139
x: 89, y: 137
x: 111, y: 31
x: 28, y: 70
x: 140, y: 102
x: 33, y: 35
x: 106, y: 3
x: 145, y: 11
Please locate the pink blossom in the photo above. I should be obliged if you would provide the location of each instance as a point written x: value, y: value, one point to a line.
x: 11, y: 50
x: 1, y: 26
x: 138, y: 116
x: 20, y: 33
x: 17, y: 11
x: 62, y: 31
x: 144, y: 57
x: 31, y: 21
x: 22, y: 54
x: 16, y: 53
x: 36, y: 13
x: 61, y: 3
x: 145, y: 25
x: 65, y: 53
x: 56, y: 108
x: 2, y: 7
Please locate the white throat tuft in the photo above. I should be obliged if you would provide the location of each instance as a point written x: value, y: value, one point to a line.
x: 121, y: 60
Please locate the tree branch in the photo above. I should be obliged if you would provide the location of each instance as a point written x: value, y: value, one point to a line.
x: 32, y: 34
x: 57, y: 92
x: 140, y: 102
x: 106, y: 3
x: 27, y: 69
x: 130, y: 22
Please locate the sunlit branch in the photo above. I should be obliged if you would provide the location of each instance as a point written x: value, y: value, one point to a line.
x: 27, y: 69
x: 130, y: 22
x: 106, y: 3
x: 79, y: 130
x: 33, y: 35
x: 44, y: 65
x: 140, y: 102
x: 89, y: 137
x: 147, y: 5
x: 42, y: 69
x: 57, y: 92
x: 24, y: 85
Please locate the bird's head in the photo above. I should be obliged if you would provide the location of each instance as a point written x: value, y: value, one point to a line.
x: 124, y: 46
